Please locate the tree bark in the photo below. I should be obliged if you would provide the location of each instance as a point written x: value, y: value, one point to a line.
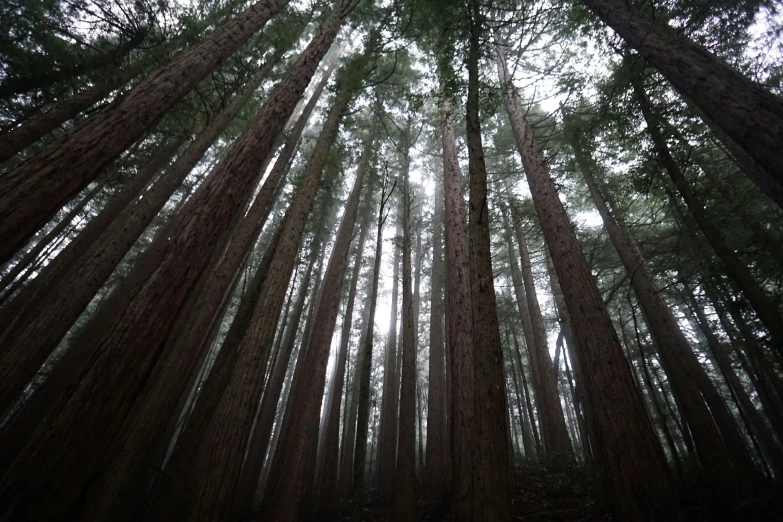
x: 722, y: 464
x: 387, y: 436
x: 459, y: 324
x: 233, y: 419
x: 30, y: 131
x: 435, y: 477
x: 405, y: 480
x: 32, y: 192
x: 762, y: 303
x: 745, y: 111
x: 364, y: 367
x: 36, y: 331
x: 331, y: 425
x: 639, y: 482
x: 85, y: 264
x: 554, y: 431
x: 492, y: 471
x: 132, y: 336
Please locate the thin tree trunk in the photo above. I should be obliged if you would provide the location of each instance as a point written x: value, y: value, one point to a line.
x: 761, y: 302
x: 639, y: 481
x: 387, y: 429
x: 556, y: 440
x: 33, y: 254
x: 524, y: 420
x: 32, y: 192
x: 58, y: 298
x: 722, y: 463
x: 745, y: 111
x: 364, y: 368
x: 331, y: 424
x: 233, y: 419
x: 132, y: 336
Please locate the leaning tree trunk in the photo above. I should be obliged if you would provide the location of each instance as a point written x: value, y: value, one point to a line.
x: 721, y: 467
x: 639, y: 481
x: 234, y: 416
x: 288, y: 481
x: 331, y: 424
x: 32, y: 192
x: 745, y: 111
x: 132, y: 337
x: 492, y: 472
x: 763, y: 304
x: 33, y: 129
x: 189, y: 346
x: 122, y: 221
x: 554, y: 431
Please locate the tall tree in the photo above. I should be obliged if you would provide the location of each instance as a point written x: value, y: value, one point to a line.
x: 746, y: 114
x: 637, y: 476
x: 32, y: 192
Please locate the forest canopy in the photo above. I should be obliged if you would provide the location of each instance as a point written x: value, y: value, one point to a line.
x: 400, y: 260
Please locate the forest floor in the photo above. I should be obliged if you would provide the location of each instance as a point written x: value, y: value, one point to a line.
x: 547, y: 492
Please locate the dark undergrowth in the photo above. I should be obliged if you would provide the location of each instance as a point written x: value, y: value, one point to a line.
x: 551, y: 491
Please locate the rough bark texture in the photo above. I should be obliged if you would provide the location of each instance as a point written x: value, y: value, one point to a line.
x: 492, y: 471
x: 764, y: 305
x: 745, y: 111
x: 459, y: 325
x: 435, y: 472
x: 331, y: 424
x: 288, y: 481
x: 132, y: 337
x: 35, y: 128
x: 122, y: 222
x: 405, y: 480
x: 62, y: 293
x: 639, y: 482
x: 32, y: 192
x: 387, y: 437
x: 673, y: 347
x: 234, y: 417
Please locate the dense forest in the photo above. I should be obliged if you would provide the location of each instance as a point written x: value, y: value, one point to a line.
x: 391, y: 260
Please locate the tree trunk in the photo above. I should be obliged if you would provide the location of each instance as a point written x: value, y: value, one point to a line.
x: 363, y: 369
x: 639, y: 482
x: 459, y: 324
x: 745, y: 111
x: 387, y: 438
x: 721, y: 463
x: 132, y: 336
x: 555, y: 433
x: 30, y: 258
x: 435, y: 478
x: 35, y: 333
x: 492, y: 472
x: 331, y: 425
x: 404, y: 494
x: 761, y: 302
x: 524, y: 420
x: 234, y: 416
x: 32, y: 192
x: 769, y: 446
x: 30, y: 131
x: 66, y: 285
